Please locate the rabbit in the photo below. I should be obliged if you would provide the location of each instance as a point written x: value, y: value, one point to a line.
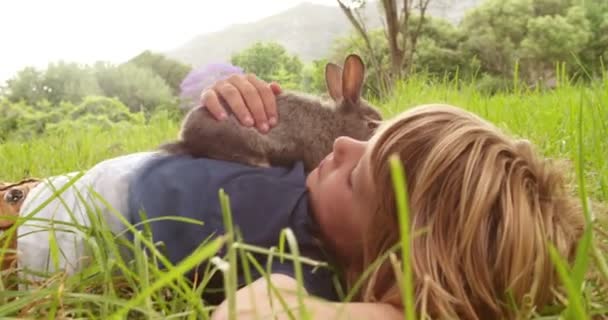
x: 306, y: 130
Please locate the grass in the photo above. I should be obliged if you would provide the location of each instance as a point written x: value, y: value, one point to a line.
x: 569, y: 123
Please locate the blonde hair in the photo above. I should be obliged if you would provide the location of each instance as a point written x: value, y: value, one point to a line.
x: 486, y: 205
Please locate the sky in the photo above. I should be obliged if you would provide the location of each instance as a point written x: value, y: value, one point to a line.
x: 34, y: 33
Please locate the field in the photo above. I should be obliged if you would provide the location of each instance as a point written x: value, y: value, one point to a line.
x: 569, y: 123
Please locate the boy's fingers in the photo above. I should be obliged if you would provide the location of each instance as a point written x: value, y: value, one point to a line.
x: 210, y: 101
x: 235, y: 101
x: 269, y: 99
x: 276, y: 88
x: 252, y: 100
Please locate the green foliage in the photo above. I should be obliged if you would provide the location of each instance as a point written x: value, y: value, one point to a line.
x: 437, y: 52
x: 490, y: 84
x: 595, y: 52
x: 24, y: 121
x: 172, y: 71
x: 493, y: 32
x: 69, y: 82
x: 553, y: 39
x: 313, y: 77
x: 26, y: 85
x: 270, y: 62
x: 556, y: 37
x: 537, y: 35
x: 61, y: 81
x: 21, y: 121
x: 550, y: 119
x: 111, y: 109
x: 499, y: 42
x: 139, y: 88
x: 68, y: 126
x: 376, y: 64
x: 75, y: 148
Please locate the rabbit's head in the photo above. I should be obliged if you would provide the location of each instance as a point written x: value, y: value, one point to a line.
x: 358, y: 118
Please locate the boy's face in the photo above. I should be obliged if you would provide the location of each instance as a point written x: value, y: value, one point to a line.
x: 340, y: 188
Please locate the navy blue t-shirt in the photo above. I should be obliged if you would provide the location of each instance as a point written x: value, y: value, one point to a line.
x: 263, y: 201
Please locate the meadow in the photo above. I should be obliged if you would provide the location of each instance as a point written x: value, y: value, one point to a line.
x: 569, y: 123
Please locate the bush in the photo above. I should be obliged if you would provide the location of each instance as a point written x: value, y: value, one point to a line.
x: 491, y: 85
x: 270, y: 62
x: 110, y: 108
x: 24, y: 121
x: 138, y: 88
x: 536, y: 35
x: 172, y: 71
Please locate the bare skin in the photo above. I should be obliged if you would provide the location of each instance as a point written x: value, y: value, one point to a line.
x: 343, y: 174
x: 251, y: 99
x: 253, y: 302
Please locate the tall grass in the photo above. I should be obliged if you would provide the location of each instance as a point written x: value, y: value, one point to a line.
x: 79, y: 150
x: 550, y: 119
x: 569, y: 123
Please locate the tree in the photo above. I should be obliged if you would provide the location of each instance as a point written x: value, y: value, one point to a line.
x: 61, y: 81
x: 71, y: 82
x: 536, y: 34
x: 26, y: 85
x: 554, y: 38
x: 377, y: 63
x: 401, y: 37
x: 139, y: 88
x: 270, y: 62
x: 594, y: 56
x: 313, y: 77
x: 494, y: 31
x: 172, y: 71
x: 437, y: 53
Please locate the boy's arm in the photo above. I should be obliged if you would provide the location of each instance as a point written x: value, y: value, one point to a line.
x: 254, y: 302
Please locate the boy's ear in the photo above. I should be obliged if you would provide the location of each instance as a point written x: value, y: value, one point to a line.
x: 333, y: 80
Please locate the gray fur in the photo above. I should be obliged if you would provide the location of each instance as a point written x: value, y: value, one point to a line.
x: 306, y: 129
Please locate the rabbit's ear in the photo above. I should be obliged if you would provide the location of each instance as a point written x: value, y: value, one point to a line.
x: 333, y: 80
x: 352, y: 78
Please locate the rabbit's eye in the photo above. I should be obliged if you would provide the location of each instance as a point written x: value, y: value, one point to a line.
x: 372, y: 125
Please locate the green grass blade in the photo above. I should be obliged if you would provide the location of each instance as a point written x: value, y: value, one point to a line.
x: 400, y: 187
x: 231, y: 283
x: 201, y: 254
x: 575, y: 308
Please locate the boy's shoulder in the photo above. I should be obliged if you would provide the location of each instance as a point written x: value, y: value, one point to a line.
x: 186, y: 169
x: 186, y: 184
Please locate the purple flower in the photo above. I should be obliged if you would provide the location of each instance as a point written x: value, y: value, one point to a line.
x: 201, y: 78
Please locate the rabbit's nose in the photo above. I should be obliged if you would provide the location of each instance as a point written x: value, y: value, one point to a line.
x: 13, y: 196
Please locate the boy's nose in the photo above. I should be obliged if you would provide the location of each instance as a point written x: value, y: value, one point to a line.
x: 344, y: 146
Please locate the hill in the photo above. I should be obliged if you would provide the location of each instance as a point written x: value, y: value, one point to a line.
x: 307, y: 30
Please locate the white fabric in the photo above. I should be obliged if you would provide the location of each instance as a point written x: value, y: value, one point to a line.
x: 109, y: 179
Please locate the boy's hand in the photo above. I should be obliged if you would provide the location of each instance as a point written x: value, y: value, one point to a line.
x: 251, y: 99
